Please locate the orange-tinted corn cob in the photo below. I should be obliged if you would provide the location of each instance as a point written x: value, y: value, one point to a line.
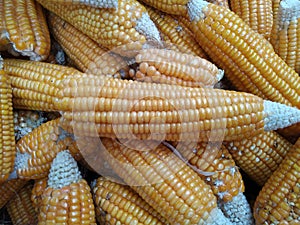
x: 7, y: 137
x: 215, y: 166
x: 286, y: 33
x: 172, y: 67
x: 175, y: 7
x: 37, y: 191
x: 130, y: 24
x: 8, y: 189
x: 36, y: 151
x: 121, y: 108
x: 35, y: 84
x: 165, y: 182
x: 249, y: 63
x: 279, y: 200
x: 223, y: 3
x: 175, y: 34
x: 93, y: 3
x: 119, y: 204
x: 127, y: 109
x: 67, y: 198
x: 257, y: 14
x: 87, y: 55
x: 20, y: 207
x: 24, y: 25
x: 259, y: 156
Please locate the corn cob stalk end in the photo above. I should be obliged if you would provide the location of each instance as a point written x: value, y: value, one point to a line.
x: 238, y: 210
x: 195, y: 9
x: 279, y: 115
x: 64, y: 171
x: 145, y: 26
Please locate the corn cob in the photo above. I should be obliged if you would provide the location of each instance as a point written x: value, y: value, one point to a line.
x: 8, y: 189
x: 215, y: 166
x: 249, y: 63
x: 35, y: 84
x: 36, y: 193
x: 127, y: 109
x: 257, y: 14
x: 67, y: 198
x: 7, y: 138
x: 107, y: 4
x: 286, y: 33
x: 175, y: 34
x: 223, y: 3
x: 86, y: 54
x: 130, y: 25
x: 180, y: 107
x: 259, y: 156
x: 20, y: 208
x: 164, y: 182
x: 172, y: 67
x: 36, y: 151
x: 279, y: 200
x: 119, y: 204
x: 24, y: 27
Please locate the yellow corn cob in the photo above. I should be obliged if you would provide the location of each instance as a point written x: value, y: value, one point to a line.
x: 259, y: 156
x: 165, y: 182
x: 214, y: 164
x: 8, y: 189
x: 279, y: 200
x: 128, y: 109
x: 286, y: 33
x: 93, y: 3
x: 116, y: 203
x: 175, y: 34
x: 257, y: 14
x: 67, y: 198
x: 86, y: 54
x: 24, y: 25
x: 36, y: 193
x: 7, y: 137
x: 130, y: 24
x: 249, y: 63
x: 172, y: 67
x: 35, y: 84
x: 20, y: 208
x: 36, y: 151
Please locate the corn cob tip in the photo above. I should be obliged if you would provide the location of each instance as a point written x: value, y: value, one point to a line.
x: 217, y: 217
x: 107, y: 4
x: 21, y: 160
x: 238, y: 210
x: 64, y: 171
x: 145, y: 26
x: 220, y: 75
x: 279, y: 115
x: 290, y: 10
x: 195, y: 9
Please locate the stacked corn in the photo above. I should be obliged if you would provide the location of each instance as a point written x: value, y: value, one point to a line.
x: 132, y: 117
